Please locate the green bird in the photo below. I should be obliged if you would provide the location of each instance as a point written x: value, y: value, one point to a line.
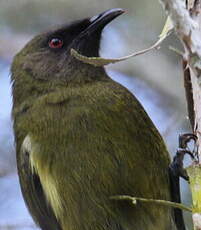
x: 82, y: 138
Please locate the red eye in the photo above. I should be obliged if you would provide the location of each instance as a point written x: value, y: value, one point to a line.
x: 55, y: 43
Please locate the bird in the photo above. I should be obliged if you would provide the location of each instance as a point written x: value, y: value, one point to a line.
x: 82, y: 138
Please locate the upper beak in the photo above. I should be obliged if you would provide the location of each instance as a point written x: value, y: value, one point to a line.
x: 101, y: 20
x: 88, y: 41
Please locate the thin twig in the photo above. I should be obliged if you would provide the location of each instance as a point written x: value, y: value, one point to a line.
x: 158, y: 202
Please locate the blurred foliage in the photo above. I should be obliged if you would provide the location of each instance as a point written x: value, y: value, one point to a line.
x: 33, y: 15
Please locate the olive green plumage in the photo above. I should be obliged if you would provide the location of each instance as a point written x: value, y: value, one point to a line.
x: 81, y: 138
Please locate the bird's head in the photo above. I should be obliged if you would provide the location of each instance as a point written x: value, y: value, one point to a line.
x: 47, y: 57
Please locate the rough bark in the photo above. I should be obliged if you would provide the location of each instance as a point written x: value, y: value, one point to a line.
x: 186, y: 18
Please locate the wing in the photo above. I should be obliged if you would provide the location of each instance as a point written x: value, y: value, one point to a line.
x: 175, y: 195
x: 33, y: 194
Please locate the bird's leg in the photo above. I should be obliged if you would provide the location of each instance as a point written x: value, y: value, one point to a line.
x: 176, y: 167
x: 176, y: 170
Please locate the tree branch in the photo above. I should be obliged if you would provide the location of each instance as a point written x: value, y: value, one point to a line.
x: 157, y: 202
x: 186, y: 19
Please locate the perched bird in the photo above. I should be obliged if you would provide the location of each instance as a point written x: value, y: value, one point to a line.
x: 82, y: 138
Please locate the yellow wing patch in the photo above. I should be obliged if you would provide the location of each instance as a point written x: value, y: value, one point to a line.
x: 46, y: 179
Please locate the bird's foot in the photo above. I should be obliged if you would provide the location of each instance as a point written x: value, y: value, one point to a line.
x: 176, y: 170
x: 176, y: 167
x: 185, y: 138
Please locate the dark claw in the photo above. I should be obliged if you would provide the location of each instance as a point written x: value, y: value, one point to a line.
x: 177, y: 165
x: 176, y: 170
x: 184, y: 139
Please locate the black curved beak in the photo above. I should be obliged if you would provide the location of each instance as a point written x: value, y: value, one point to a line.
x: 88, y: 41
x: 99, y: 21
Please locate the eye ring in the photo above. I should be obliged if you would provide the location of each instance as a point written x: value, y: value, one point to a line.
x: 55, y: 43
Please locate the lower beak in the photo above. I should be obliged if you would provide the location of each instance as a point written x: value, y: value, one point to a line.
x: 88, y: 41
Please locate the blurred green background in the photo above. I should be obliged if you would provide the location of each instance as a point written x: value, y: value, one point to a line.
x: 155, y: 78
